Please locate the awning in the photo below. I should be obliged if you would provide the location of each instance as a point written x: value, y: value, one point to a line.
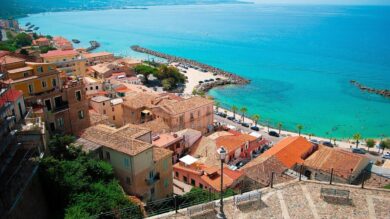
x: 188, y: 159
x: 146, y: 112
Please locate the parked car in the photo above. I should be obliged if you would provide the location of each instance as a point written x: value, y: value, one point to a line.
x: 273, y: 133
x: 314, y: 141
x: 241, y: 164
x: 200, y: 82
x: 359, y: 151
x: 230, y: 118
x: 255, y: 128
x: 256, y: 153
x: 386, y: 156
x: 327, y: 143
x: 236, y: 121
x: 245, y: 124
x: 264, y: 148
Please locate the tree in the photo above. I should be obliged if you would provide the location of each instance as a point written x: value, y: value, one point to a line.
x: 217, y: 105
x: 299, y: 127
x: 24, y: 52
x: 243, y: 110
x: 357, y: 137
x: 45, y: 49
x: 145, y: 70
x: 23, y: 39
x: 370, y: 143
x: 280, y: 125
x: 384, y: 144
x: 234, y: 109
x: 256, y: 118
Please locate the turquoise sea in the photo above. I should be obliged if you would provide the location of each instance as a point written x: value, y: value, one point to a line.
x: 300, y: 58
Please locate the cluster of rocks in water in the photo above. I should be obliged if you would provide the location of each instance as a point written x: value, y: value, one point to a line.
x: 231, y: 77
x: 382, y: 92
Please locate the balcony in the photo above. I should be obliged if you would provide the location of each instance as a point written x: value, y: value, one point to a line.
x: 62, y: 106
x: 153, y: 180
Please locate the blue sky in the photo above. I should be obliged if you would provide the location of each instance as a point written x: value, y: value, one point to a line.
x: 343, y: 2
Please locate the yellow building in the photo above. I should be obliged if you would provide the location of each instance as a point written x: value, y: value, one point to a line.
x: 34, y: 78
x: 67, y: 61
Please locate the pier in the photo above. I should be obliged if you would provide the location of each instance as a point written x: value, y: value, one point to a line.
x: 382, y: 92
x: 232, y: 78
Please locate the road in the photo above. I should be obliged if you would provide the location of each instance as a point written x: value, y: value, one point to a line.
x: 264, y: 132
x: 4, y: 35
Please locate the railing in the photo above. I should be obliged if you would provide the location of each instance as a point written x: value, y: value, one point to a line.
x: 62, y: 106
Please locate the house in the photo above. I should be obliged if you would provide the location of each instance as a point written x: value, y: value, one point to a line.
x: 190, y: 136
x: 67, y: 61
x: 112, y: 108
x: 142, y: 169
x: 195, y: 112
x: 10, y: 62
x: 15, y: 98
x: 190, y: 171
x: 170, y: 141
x: 42, y: 41
x: 346, y: 166
x: 61, y: 43
x: 107, y: 69
x: 98, y: 57
x: 282, y: 157
x: 93, y: 86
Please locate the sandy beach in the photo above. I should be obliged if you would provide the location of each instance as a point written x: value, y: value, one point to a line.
x: 194, y: 76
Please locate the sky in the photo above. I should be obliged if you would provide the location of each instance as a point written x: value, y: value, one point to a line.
x: 338, y: 2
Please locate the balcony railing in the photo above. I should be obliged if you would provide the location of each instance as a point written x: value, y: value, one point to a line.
x: 153, y: 180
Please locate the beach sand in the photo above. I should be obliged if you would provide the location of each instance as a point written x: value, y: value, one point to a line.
x: 194, y: 76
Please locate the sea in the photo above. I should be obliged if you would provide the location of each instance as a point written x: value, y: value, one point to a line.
x: 300, y: 58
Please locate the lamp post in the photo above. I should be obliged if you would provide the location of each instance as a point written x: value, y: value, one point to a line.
x: 222, y: 156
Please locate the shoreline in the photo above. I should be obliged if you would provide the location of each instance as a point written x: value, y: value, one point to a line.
x: 230, y: 78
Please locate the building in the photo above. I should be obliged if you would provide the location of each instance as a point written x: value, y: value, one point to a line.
x: 195, y: 112
x: 172, y: 142
x: 61, y: 43
x: 190, y: 171
x: 107, y: 69
x: 112, y: 108
x: 98, y: 57
x: 346, y: 166
x: 9, y: 24
x: 280, y: 160
x: 93, y: 86
x: 59, y: 100
x: 67, y: 61
x: 22, y: 143
x: 10, y: 62
x: 142, y: 169
x: 42, y: 41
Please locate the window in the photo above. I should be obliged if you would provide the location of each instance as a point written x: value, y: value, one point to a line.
x: 30, y: 88
x: 78, y: 95
x: 108, y: 155
x: 151, y: 174
x: 25, y: 74
x: 193, y: 182
x: 60, y: 122
x: 48, y: 104
x: 201, y: 185
x: 104, y: 112
x: 91, y: 88
x: 185, y: 179
x: 113, y: 109
x: 54, y: 82
x: 86, y: 88
x: 97, y: 87
x: 177, y: 174
x: 81, y: 114
x: 44, y: 84
x: 49, y: 68
x: 166, y: 183
x: 104, y: 103
x: 40, y: 69
x: 113, y: 118
x: 126, y: 162
x: 128, y: 180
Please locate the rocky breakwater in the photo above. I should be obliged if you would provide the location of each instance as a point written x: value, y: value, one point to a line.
x: 231, y: 78
x: 382, y: 92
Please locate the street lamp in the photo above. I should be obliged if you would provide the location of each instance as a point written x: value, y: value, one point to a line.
x: 222, y: 155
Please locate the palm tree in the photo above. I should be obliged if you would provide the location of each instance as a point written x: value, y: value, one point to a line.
x: 334, y: 141
x: 310, y: 135
x: 280, y: 125
x: 370, y: 143
x: 256, y: 118
x: 243, y: 110
x: 357, y: 137
x: 217, y: 105
x: 299, y: 127
x: 234, y: 109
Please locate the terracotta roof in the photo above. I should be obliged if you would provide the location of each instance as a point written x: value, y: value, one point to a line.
x: 289, y: 151
x: 97, y: 54
x: 4, y: 53
x: 206, y: 149
x: 178, y: 107
x: 233, y: 142
x: 214, y: 180
x: 54, y: 53
x: 341, y: 161
x: 160, y: 153
x: 97, y: 118
x: 10, y: 59
x: 123, y: 139
x: 166, y: 139
x: 218, y: 134
x: 10, y: 95
x: 157, y: 126
x: 42, y: 39
x: 138, y: 100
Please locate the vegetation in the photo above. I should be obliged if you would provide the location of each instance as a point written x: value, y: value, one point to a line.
x: 217, y: 105
x: 45, y: 49
x: 387, y: 186
x: 15, y: 42
x: 384, y: 144
x: 197, y: 195
x: 357, y: 137
x: 169, y: 76
x: 370, y: 143
x: 256, y: 118
x: 234, y: 109
x: 299, y: 127
x: 243, y: 110
x: 79, y: 186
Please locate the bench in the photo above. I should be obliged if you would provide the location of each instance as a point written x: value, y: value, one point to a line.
x: 247, y: 197
x: 201, y: 209
x: 334, y: 193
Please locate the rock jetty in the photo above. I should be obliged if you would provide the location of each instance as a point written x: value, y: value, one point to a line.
x: 231, y: 77
x: 94, y: 45
x: 382, y: 92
